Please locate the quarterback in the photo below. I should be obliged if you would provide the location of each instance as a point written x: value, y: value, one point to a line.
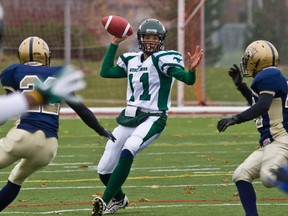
x: 33, y: 140
x: 270, y: 112
x: 150, y: 74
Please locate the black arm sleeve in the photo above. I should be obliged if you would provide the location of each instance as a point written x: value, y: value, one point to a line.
x: 261, y: 107
x: 87, y: 116
x: 246, y: 92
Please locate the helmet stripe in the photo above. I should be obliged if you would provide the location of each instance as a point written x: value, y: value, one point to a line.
x: 273, y: 52
x: 31, y: 49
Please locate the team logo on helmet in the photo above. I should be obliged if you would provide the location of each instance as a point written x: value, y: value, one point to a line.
x: 257, y: 56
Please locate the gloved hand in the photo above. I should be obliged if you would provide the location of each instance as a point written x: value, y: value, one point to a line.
x: 226, y: 122
x: 63, y: 87
x: 282, y: 178
x: 235, y: 73
x: 107, y: 134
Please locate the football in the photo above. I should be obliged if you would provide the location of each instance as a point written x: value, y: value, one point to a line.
x: 117, y: 26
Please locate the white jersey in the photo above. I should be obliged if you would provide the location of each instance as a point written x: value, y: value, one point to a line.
x: 149, y: 86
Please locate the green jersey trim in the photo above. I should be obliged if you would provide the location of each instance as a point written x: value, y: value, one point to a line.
x: 165, y: 86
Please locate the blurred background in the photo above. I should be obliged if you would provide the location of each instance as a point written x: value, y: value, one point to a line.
x: 74, y: 33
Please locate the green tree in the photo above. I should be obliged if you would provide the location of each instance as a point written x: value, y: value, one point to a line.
x: 270, y: 23
x: 213, y: 10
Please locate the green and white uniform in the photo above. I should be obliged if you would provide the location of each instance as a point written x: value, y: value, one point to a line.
x: 149, y: 85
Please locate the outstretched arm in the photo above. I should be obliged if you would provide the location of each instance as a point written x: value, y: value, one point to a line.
x: 189, y: 77
x: 261, y: 107
x: 90, y: 120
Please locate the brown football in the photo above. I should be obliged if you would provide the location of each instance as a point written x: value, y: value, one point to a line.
x: 117, y: 26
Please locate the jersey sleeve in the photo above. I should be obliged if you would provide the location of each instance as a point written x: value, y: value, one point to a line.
x: 123, y: 60
x: 108, y: 70
x: 267, y: 84
x: 169, y: 59
x: 7, y: 79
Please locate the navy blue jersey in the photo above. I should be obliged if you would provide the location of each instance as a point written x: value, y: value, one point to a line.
x: 19, y: 77
x: 273, y: 124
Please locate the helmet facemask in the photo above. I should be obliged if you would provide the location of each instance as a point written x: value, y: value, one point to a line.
x: 151, y: 27
x: 258, y: 55
x: 149, y: 47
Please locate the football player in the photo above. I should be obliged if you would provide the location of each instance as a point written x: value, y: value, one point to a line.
x: 150, y: 75
x: 270, y: 113
x: 34, y: 138
x: 63, y: 87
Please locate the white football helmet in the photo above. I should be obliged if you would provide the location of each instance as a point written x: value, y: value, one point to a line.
x: 34, y: 49
x: 258, y: 55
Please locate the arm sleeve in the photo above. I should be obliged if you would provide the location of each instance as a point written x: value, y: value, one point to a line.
x: 188, y: 78
x: 108, y: 69
x: 261, y: 107
x: 87, y: 116
x: 246, y: 92
x: 17, y: 101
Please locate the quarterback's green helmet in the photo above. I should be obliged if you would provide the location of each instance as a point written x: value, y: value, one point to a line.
x: 151, y: 27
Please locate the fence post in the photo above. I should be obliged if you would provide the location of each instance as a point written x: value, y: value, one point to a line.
x: 67, y: 32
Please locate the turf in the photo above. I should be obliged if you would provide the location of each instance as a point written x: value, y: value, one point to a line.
x: 187, y: 171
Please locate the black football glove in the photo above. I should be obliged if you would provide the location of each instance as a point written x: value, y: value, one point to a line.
x: 226, y: 122
x: 235, y: 73
x: 108, y: 135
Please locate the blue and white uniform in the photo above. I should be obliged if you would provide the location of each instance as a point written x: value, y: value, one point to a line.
x: 34, y: 137
x: 21, y: 78
x: 274, y: 124
x: 273, y: 128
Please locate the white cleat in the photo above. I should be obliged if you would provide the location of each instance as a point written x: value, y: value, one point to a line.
x: 115, y: 205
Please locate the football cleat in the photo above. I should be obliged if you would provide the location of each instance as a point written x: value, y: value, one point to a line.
x: 115, y: 205
x: 99, y: 206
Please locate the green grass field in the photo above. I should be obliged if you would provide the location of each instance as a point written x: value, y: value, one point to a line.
x: 187, y: 171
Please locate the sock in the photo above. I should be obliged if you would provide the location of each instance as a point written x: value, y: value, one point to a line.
x: 248, y: 197
x: 8, y: 193
x: 119, y: 176
x: 105, y: 179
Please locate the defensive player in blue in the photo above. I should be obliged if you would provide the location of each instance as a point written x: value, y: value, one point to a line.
x: 68, y: 81
x: 33, y: 140
x: 150, y: 75
x: 270, y: 112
